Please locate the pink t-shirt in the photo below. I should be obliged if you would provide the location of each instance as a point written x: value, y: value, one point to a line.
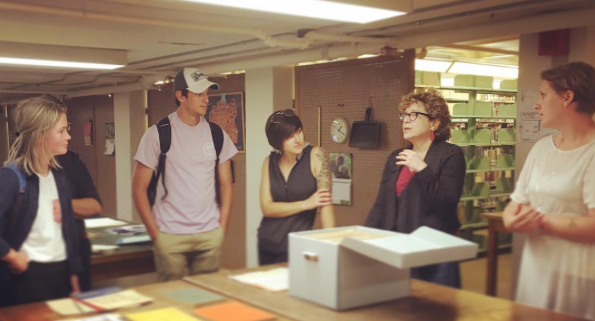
x: 190, y: 206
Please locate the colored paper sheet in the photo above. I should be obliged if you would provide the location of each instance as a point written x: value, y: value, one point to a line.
x: 166, y: 314
x: 192, y: 296
x: 233, y: 311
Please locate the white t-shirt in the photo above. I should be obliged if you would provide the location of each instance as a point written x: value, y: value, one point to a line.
x: 555, y: 273
x: 45, y: 242
x: 190, y: 206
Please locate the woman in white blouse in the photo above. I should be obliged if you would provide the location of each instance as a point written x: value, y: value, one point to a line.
x: 554, y: 199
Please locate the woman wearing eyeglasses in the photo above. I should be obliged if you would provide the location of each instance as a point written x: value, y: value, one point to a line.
x: 38, y: 239
x: 422, y: 183
x: 295, y: 183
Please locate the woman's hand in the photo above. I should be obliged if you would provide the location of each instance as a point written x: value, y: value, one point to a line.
x: 17, y: 262
x: 74, y: 283
x: 520, y: 218
x: 322, y: 197
x: 412, y: 160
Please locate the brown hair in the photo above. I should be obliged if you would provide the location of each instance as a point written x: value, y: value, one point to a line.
x: 34, y: 118
x: 578, y: 77
x: 435, y: 105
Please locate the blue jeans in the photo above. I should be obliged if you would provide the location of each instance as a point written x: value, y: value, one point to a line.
x: 447, y: 274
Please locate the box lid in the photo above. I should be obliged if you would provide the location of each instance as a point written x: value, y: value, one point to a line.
x: 422, y: 247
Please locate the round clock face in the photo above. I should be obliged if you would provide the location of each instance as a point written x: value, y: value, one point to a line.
x: 340, y: 130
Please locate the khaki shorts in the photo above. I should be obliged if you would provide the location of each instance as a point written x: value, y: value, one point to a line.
x: 177, y: 255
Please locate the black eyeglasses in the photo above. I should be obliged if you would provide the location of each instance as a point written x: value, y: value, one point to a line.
x: 412, y: 115
x: 280, y: 115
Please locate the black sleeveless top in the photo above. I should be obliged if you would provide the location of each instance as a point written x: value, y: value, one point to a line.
x: 300, y: 185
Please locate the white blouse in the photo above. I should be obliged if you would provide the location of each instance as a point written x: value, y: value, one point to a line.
x: 45, y: 242
x: 555, y: 273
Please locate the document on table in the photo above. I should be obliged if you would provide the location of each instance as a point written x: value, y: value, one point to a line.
x: 103, y: 222
x: 274, y: 280
x: 67, y: 307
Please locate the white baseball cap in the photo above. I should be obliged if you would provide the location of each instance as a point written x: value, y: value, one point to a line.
x: 193, y: 80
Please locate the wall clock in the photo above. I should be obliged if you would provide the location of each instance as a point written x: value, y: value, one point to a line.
x: 340, y: 130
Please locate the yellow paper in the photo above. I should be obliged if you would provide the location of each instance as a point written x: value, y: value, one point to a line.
x: 167, y: 314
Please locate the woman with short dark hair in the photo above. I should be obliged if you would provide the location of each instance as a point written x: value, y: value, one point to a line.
x: 553, y: 203
x: 422, y: 184
x: 295, y: 183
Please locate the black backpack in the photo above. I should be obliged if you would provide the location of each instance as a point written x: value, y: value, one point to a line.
x: 164, y: 129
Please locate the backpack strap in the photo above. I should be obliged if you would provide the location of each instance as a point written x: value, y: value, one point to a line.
x: 164, y: 130
x: 217, y: 134
x: 16, y: 210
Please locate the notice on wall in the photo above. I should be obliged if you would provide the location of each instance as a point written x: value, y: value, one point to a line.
x: 530, y: 127
x: 110, y: 139
x: 340, y: 166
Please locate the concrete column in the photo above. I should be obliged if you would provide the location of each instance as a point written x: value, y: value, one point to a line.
x: 3, y: 134
x: 131, y: 122
x: 267, y: 90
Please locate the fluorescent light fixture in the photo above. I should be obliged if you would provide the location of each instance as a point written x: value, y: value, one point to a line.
x: 56, y: 63
x: 364, y: 56
x: 432, y: 65
x: 484, y: 70
x: 25, y: 54
x: 312, y: 9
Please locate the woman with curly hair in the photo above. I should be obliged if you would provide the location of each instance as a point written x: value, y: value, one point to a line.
x: 422, y: 183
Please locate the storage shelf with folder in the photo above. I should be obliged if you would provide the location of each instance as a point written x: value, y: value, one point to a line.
x: 130, y: 259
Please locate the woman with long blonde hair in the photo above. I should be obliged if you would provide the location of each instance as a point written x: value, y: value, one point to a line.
x: 38, y: 242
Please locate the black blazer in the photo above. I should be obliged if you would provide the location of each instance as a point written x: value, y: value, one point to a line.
x: 430, y: 198
x: 14, y: 233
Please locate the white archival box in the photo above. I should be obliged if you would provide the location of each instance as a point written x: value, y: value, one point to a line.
x: 353, y: 266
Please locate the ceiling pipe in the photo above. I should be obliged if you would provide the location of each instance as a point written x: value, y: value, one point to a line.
x: 481, y: 49
x: 534, y: 24
x: 315, y: 35
x: 105, y: 90
x: 325, y: 53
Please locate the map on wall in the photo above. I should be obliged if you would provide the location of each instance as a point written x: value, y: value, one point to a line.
x: 227, y: 111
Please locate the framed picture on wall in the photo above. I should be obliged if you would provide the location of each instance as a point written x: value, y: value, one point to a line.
x: 227, y: 111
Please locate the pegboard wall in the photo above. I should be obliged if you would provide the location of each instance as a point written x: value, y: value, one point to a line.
x: 346, y: 89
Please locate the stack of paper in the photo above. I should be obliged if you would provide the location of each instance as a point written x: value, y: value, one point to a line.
x: 68, y: 307
x: 272, y: 280
x: 103, y: 249
x: 110, y: 299
x: 103, y: 222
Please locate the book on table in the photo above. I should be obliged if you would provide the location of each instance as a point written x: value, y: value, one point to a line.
x: 111, y: 298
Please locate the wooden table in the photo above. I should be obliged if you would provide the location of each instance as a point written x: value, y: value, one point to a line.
x: 495, y: 226
x: 127, y: 260
x: 41, y: 312
x: 427, y: 302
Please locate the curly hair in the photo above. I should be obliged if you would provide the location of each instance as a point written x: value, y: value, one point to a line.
x: 435, y: 105
x: 579, y: 77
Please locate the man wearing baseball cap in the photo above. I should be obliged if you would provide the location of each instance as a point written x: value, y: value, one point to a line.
x: 186, y: 223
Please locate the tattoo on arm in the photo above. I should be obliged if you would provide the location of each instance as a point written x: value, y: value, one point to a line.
x: 572, y: 223
x: 322, y: 179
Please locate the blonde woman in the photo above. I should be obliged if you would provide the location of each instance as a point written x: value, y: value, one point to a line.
x: 38, y: 241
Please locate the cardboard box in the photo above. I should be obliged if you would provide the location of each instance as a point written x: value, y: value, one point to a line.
x: 354, y: 266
